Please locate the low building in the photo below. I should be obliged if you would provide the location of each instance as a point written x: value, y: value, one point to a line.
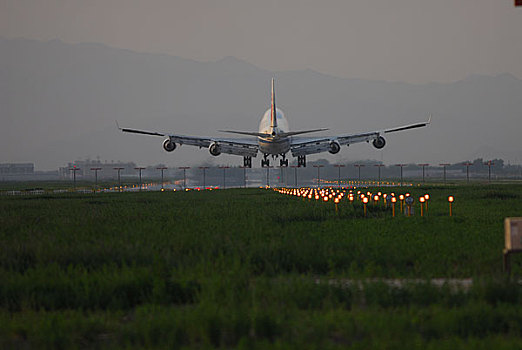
x: 16, y: 169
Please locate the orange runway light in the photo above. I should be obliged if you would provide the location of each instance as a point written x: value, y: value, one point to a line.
x: 451, y: 199
x: 365, y: 201
x: 422, y: 200
x: 393, y: 200
x: 401, y: 199
x: 336, y: 201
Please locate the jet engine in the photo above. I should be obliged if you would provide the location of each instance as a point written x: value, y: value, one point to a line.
x: 379, y: 142
x: 168, y: 145
x: 214, y: 149
x: 334, y: 147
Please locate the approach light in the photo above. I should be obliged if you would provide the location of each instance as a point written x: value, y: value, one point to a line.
x: 450, y: 200
x: 422, y: 200
x: 365, y: 201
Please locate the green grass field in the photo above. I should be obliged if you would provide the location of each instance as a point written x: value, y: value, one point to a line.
x: 255, y: 269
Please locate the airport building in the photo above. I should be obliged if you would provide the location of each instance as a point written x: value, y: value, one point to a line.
x: 25, y: 172
x: 16, y: 169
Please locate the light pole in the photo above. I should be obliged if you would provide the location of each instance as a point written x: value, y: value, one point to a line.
x: 295, y: 174
x: 204, y: 168
x: 268, y: 175
x: 359, y: 166
x: 339, y: 166
x: 282, y: 175
x: 162, y: 168
x: 379, y: 166
x: 95, y: 176
x: 184, y: 168
x: 224, y: 175
x: 401, y: 166
x: 489, y: 163
x: 244, y: 175
x: 444, y: 165
x: 423, y: 166
x: 74, y: 169
x: 318, y: 174
x: 467, y: 164
x: 139, y: 170
x: 119, y: 178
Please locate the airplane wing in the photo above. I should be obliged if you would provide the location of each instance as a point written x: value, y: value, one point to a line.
x: 241, y: 147
x: 305, y: 146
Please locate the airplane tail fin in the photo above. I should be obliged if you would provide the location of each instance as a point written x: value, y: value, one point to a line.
x: 273, y: 114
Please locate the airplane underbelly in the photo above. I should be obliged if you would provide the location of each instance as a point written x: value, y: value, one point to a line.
x: 274, y: 147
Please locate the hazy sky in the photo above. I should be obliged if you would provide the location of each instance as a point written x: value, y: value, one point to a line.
x: 401, y: 40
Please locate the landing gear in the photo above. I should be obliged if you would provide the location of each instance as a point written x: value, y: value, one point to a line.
x: 265, y: 162
x: 247, y: 162
x: 283, y: 162
x: 301, y: 161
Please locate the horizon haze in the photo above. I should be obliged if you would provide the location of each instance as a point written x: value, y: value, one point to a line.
x: 414, y: 41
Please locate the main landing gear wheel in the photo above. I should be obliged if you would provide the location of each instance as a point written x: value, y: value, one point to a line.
x: 247, y: 162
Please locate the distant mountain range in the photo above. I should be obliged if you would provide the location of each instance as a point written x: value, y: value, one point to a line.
x: 60, y: 101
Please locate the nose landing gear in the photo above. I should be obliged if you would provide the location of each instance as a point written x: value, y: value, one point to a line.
x: 265, y: 162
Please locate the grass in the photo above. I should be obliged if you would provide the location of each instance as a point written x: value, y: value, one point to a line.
x: 255, y: 269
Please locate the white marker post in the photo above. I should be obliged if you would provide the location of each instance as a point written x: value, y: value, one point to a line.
x: 513, y: 239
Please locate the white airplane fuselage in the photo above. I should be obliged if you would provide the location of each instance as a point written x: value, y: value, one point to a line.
x: 275, y: 144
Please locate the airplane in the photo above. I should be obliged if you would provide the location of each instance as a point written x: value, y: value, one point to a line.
x: 274, y: 139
